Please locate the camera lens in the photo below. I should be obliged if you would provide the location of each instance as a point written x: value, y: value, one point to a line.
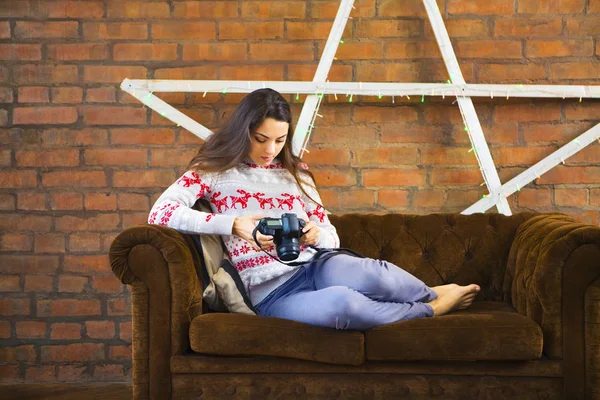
x: 289, y: 249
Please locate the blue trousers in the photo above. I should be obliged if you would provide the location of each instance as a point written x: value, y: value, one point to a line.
x: 346, y: 292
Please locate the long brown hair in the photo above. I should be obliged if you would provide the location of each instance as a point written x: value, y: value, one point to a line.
x: 231, y: 143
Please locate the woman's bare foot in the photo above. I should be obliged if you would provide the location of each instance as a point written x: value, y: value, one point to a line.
x: 443, y: 289
x: 456, y: 297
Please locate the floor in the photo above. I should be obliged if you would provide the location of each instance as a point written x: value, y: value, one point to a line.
x: 66, y: 391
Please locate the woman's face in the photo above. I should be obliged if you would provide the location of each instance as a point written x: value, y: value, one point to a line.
x: 267, y: 141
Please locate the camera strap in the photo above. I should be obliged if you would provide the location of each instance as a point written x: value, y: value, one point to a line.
x: 319, y: 253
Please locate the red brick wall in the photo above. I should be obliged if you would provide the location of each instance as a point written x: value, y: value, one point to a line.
x: 81, y: 161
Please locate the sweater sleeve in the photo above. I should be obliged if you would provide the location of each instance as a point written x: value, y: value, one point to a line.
x: 173, y: 208
x: 328, y: 238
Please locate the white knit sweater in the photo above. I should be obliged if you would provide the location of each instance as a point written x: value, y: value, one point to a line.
x: 243, y: 190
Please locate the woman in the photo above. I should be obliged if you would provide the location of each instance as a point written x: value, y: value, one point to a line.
x: 247, y: 171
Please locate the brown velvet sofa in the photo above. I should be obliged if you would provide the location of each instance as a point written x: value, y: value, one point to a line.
x: 532, y: 333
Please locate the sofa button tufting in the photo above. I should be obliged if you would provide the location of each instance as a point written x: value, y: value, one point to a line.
x: 335, y: 392
x: 369, y: 392
x: 426, y: 255
x: 230, y: 390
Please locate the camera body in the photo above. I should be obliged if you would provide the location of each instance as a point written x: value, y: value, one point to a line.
x: 285, y: 231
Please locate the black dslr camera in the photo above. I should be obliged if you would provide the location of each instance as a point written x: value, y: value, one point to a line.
x: 285, y: 231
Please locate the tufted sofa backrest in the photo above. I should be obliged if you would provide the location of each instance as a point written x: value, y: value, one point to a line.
x: 437, y: 248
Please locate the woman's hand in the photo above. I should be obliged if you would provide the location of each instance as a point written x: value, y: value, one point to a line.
x: 311, y: 232
x: 243, y: 227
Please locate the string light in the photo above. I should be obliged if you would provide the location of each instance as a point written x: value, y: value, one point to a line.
x: 204, y: 95
x: 422, y: 98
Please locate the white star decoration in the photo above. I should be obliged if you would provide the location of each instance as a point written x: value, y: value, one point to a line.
x: 457, y: 87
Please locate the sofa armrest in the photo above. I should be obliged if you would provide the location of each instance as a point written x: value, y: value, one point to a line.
x: 552, y: 263
x: 166, y: 296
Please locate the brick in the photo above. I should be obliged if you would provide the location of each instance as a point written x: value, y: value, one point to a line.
x: 65, y: 331
x: 100, y: 329
x: 106, y: 284
x: 107, y: 240
x: 488, y: 49
x: 6, y: 95
x: 133, y: 219
x: 83, y: 242
x: 3, y: 117
x: 67, y: 95
x: 524, y: 156
x: 408, y: 72
x: 87, y: 264
x: 550, y: 7
x: 493, y: 7
x: 504, y: 73
x: 15, y: 242
x: 384, y: 114
x: 579, y: 26
x: 71, y: 373
x: 171, y: 157
x: 370, y: 29
x: 564, y: 174
x: 44, y: 115
x: 204, y: 117
x: 31, y: 201
x: 10, y: 307
x: 7, y: 202
x: 589, y: 155
x: 66, y: 201
x: 364, y: 8
x: 34, y: 94
x: 428, y: 198
x: 462, y: 28
x: 49, y: 243
x: 335, y: 135
x: 392, y: 198
x: 573, y: 70
x: 118, y: 307
x: 115, y: 30
x: 302, y: 31
x: 55, y: 158
x: 273, y: 9
x: 4, y: 72
x: 77, y: 51
x: 5, y: 330
x: 595, y: 197
x: 138, y: 157
x: 404, y: 50
x: 145, y: 51
x: 119, y: 353
x: 570, y: 197
x: 182, y: 30
x: 582, y: 111
x: 101, y: 201
x: 125, y: 331
x: 42, y: 373
x: 105, y: 115
x: 527, y: 113
x: 455, y: 177
x: 101, y: 222
x: 17, y: 353
x: 20, y: 179
x: 133, y: 202
x: 357, y: 199
x: 447, y: 156
x: 138, y: 9
x: 100, y: 95
x: 386, y: 156
x: 337, y: 73
x: 112, y: 74
x: 389, y: 177
x: 20, y: 222
x: 67, y: 307
x: 20, y: 52
x: 46, y: 30
x: 547, y: 133
x: 534, y: 198
x: 333, y: 177
x: 38, y: 283
x: 31, y: 329
x: 10, y: 283
x: 49, y: 74
x: 10, y: 373
x: 206, y: 9
x: 594, y: 6
x: 4, y: 30
x: 527, y: 27
x: 71, y: 284
x: 215, y: 51
x: 75, y: 137
x: 109, y: 372
x: 327, y: 157
x: 443, y: 114
x: 74, y: 178
x: 461, y: 199
x: 559, y: 48
x: 143, y: 178
x: 5, y: 158
x: 73, y: 352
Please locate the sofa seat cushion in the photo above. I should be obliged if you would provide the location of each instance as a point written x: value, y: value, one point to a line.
x: 487, y: 330
x: 243, y: 335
